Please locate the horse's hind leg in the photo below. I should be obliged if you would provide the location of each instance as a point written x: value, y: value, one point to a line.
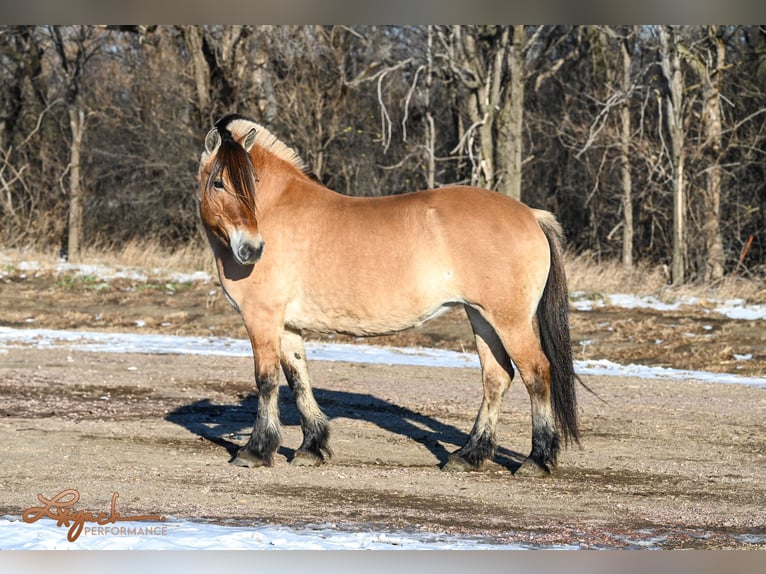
x: 316, y: 429
x: 497, y: 373
x: 524, y: 347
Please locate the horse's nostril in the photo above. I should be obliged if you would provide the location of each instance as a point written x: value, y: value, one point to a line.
x: 245, y: 252
x: 249, y: 253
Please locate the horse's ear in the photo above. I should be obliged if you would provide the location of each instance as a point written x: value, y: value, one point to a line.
x: 212, y: 140
x: 249, y: 140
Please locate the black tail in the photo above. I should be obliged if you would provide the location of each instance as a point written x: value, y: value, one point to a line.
x: 553, y: 318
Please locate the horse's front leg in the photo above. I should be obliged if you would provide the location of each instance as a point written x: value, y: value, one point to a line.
x: 266, y: 436
x: 316, y: 429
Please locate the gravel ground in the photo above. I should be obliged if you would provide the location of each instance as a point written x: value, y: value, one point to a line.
x: 663, y: 464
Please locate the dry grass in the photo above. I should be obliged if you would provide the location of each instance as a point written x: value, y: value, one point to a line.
x: 150, y: 255
x: 137, y: 254
x: 586, y: 274
x: 752, y: 290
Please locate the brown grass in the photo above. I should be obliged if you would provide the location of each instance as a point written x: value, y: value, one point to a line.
x: 586, y: 274
x: 147, y: 254
x: 143, y: 255
x: 593, y: 277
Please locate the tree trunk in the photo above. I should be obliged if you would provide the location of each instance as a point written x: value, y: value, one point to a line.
x: 671, y: 68
x: 430, y: 125
x: 477, y: 58
x: 510, y: 121
x: 485, y: 164
x: 627, y: 183
x: 74, y: 238
x: 193, y: 39
x: 75, y: 48
x: 711, y: 115
x: 263, y: 87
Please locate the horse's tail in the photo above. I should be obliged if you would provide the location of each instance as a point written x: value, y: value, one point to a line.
x: 553, y: 319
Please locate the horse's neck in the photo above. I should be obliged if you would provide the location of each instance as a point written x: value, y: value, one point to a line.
x: 277, y: 183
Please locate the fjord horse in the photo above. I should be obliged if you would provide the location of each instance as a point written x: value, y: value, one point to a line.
x: 292, y: 255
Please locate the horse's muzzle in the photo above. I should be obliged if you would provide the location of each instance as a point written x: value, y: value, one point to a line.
x: 247, y: 250
x: 248, y: 253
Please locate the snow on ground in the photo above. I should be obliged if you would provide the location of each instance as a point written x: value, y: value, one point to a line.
x: 737, y: 309
x: 186, y: 535
x: 319, y: 351
x: 99, y: 272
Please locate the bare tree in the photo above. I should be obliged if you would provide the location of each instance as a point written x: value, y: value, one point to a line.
x: 511, y: 119
x: 429, y: 116
x: 429, y: 123
x: 477, y: 57
x: 21, y: 55
x: 263, y: 84
x: 221, y: 68
x: 619, y: 84
x: 625, y: 137
x: 709, y: 62
x: 75, y: 46
x: 670, y: 62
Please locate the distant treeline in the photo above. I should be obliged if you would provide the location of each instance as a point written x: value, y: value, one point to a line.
x: 648, y: 142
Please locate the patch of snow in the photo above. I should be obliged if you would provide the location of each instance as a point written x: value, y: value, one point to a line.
x: 105, y: 273
x: 197, y: 276
x: 321, y: 351
x: 736, y: 309
x: 185, y: 535
x: 101, y: 272
x: 603, y: 367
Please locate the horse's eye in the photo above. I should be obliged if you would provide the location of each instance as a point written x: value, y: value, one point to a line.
x: 218, y: 184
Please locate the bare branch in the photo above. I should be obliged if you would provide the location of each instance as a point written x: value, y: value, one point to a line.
x: 374, y: 71
x: 407, y: 100
x: 40, y: 120
x: 745, y: 120
x: 467, y: 134
x: 385, y: 119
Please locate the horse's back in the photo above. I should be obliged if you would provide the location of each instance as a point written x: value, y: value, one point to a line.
x: 460, y: 215
x: 489, y: 216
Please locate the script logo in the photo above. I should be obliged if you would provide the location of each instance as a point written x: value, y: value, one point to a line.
x: 59, y: 508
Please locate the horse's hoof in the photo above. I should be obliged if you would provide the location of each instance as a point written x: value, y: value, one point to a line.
x: 530, y: 469
x: 458, y: 464
x: 306, y: 458
x: 248, y: 460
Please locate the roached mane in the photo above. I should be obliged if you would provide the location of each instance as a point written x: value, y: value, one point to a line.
x: 239, y: 126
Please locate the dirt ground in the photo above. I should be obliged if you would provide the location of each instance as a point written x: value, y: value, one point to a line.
x: 668, y: 464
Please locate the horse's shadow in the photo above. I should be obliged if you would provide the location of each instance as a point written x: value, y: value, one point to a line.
x: 223, y: 424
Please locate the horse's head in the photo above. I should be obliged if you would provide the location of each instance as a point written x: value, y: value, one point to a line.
x: 227, y: 190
